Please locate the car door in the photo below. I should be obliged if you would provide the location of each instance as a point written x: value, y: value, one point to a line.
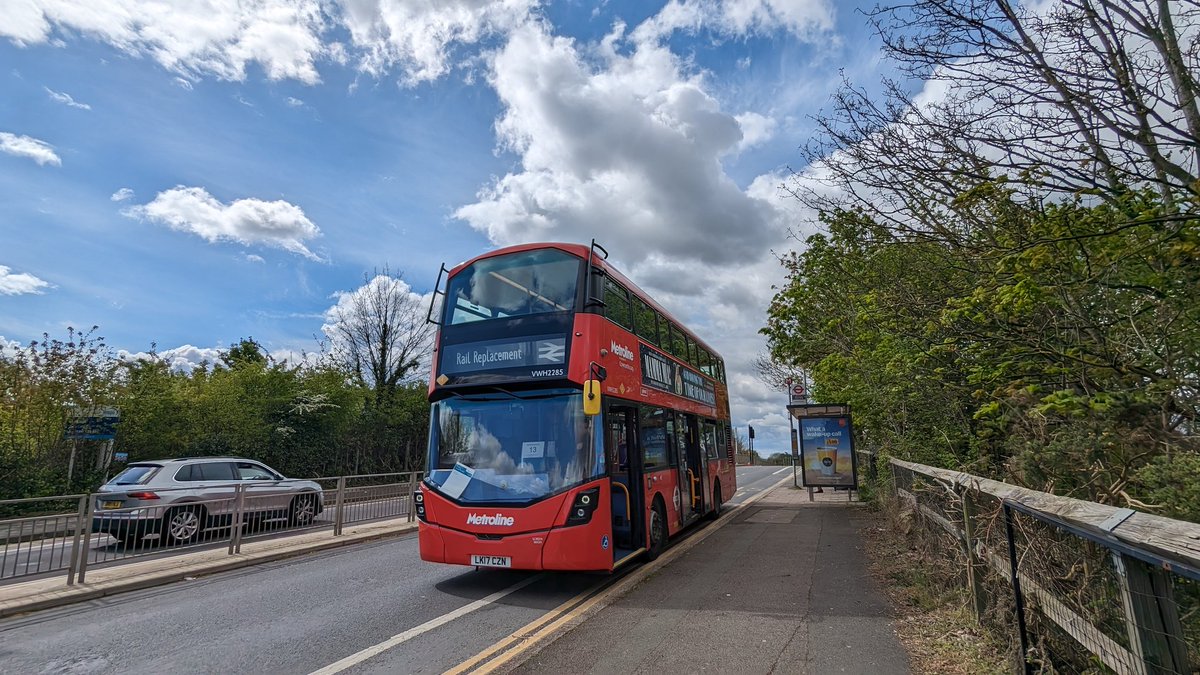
x: 217, y: 486
x: 265, y: 492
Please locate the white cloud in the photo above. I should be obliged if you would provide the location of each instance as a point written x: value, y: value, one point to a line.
x: 121, y: 195
x: 9, y: 346
x: 20, y: 284
x: 630, y: 152
x: 804, y: 19
x: 27, y: 146
x: 294, y: 102
x: 247, y: 221
x: 187, y: 358
x: 295, y: 357
x: 66, y: 99
x: 756, y: 129
x: 183, y: 359
x: 218, y: 38
x: 250, y: 257
x: 418, y: 36
x: 24, y: 22
x: 286, y: 38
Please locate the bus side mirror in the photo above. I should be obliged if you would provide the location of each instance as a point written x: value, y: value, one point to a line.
x: 591, y: 398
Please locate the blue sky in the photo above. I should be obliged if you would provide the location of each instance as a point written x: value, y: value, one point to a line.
x: 188, y: 175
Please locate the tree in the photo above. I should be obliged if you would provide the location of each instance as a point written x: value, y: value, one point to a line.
x: 379, y: 333
x: 1090, y: 97
x: 777, y: 375
x: 246, y: 351
x: 1007, y: 278
x: 42, y: 387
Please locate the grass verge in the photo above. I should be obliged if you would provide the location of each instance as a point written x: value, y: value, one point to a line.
x: 933, y: 616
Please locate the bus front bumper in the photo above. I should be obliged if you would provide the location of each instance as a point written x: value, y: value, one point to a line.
x: 555, y: 549
x: 440, y: 544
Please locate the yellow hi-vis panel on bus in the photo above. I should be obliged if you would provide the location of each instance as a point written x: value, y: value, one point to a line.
x: 591, y: 397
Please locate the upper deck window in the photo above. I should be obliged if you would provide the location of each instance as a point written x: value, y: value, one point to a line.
x: 530, y: 282
x: 616, y: 304
x: 645, y: 321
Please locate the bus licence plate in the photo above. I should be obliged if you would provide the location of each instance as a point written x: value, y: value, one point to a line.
x: 491, y: 561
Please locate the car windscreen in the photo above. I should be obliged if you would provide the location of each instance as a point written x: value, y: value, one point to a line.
x: 138, y: 474
x: 512, y: 449
x: 518, y: 284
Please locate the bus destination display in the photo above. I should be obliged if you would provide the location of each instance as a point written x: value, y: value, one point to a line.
x: 537, y: 357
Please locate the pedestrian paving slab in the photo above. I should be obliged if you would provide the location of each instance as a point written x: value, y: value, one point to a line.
x: 783, y: 588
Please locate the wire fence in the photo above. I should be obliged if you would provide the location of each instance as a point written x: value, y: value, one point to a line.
x: 1078, y: 587
x: 72, y: 533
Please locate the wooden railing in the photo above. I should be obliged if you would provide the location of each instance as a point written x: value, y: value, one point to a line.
x: 1123, y: 584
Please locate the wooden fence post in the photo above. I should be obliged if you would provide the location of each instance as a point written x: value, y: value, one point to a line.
x: 1151, y: 617
x: 975, y: 570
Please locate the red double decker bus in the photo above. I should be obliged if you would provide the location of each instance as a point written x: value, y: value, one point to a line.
x: 575, y: 424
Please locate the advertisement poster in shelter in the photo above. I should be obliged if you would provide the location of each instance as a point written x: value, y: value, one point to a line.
x: 827, y: 452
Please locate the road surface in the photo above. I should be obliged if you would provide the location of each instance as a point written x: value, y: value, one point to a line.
x: 302, y: 615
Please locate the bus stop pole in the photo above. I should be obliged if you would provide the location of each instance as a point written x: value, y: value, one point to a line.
x: 795, y: 455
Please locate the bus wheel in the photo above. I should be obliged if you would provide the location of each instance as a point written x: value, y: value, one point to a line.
x: 658, y: 530
x: 716, y: 510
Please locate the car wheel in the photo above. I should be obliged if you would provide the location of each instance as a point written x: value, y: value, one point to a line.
x: 716, y: 511
x: 183, y: 524
x: 658, y: 530
x: 304, y: 509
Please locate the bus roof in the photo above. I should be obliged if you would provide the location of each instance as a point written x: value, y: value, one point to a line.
x: 582, y: 251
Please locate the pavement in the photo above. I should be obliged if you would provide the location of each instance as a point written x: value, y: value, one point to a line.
x: 781, y: 588
x: 43, y: 593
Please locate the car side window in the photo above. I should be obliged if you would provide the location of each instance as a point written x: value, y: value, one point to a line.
x: 216, y: 471
x: 250, y: 471
x: 187, y: 474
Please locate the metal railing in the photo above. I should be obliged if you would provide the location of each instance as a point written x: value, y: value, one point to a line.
x: 71, y: 533
x: 1079, y: 586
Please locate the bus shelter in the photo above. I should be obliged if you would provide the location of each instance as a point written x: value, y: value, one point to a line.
x: 823, y: 446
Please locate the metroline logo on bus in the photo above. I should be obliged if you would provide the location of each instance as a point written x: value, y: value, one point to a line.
x: 621, y: 350
x: 499, y: 519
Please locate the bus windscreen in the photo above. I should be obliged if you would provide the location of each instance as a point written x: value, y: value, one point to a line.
x: 511, y: 449
x: 530, y: 282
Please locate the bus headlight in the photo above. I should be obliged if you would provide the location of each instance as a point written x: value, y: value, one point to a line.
x: 584, y: 506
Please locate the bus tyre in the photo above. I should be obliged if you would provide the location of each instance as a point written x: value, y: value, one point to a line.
x: 716, y: 510
x: 658, y: 530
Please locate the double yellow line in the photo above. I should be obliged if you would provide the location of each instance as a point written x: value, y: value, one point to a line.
x: 573, y: 611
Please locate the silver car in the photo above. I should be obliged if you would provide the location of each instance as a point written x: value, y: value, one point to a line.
x: 181, y: 499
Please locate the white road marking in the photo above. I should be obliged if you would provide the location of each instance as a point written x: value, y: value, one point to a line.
x: 781, y: 471
x: 359, y: 657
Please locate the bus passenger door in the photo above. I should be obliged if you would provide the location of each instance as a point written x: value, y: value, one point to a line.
x: 689, y: 465
x: 624, y: 471
x: 699, y: 463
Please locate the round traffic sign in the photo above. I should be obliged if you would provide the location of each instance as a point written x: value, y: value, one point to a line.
x: 797, y: 390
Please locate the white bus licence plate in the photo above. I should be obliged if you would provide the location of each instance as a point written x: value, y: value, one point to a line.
x: 491, y: 561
